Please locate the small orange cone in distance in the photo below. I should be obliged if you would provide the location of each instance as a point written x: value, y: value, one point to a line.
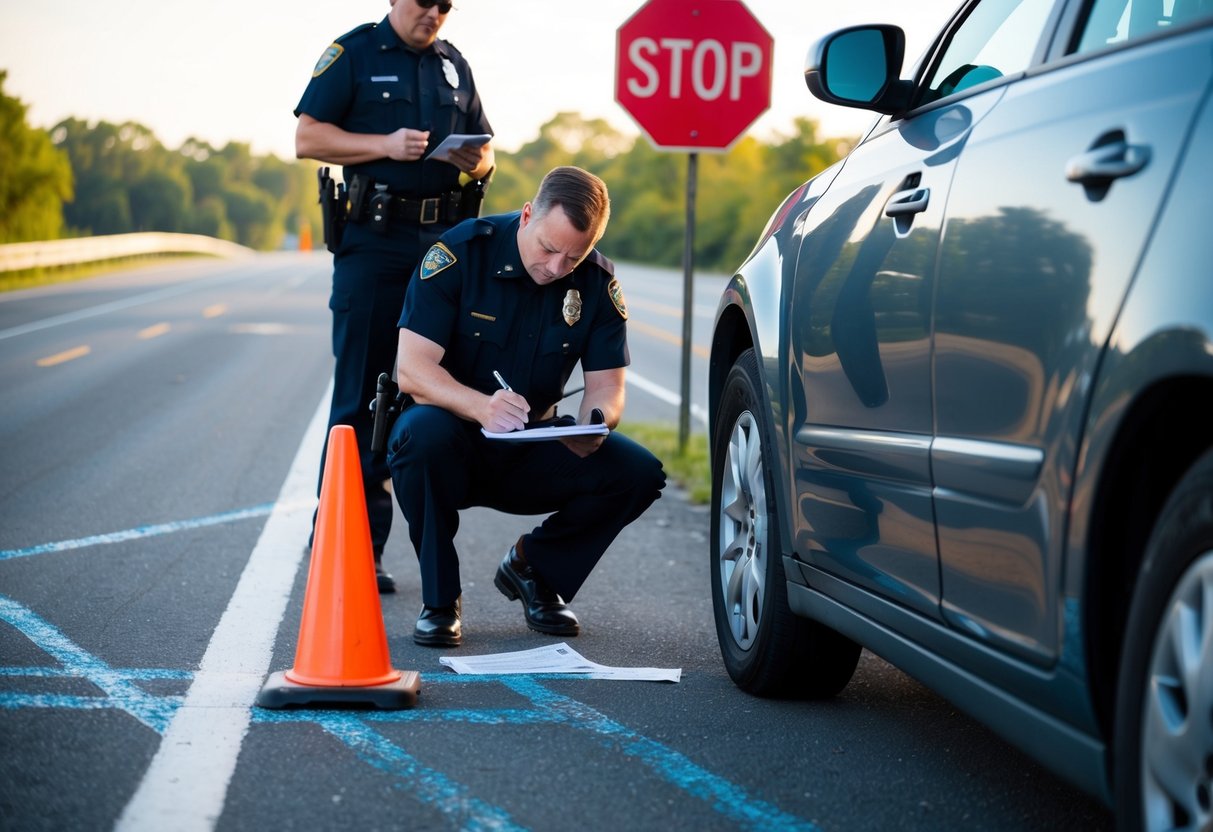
x: 342, y: 654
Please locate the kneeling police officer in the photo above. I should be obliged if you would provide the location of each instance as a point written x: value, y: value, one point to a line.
x: 498, y: 314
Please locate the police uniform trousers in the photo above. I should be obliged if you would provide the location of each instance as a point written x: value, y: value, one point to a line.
x: 370, y: 273
x: 441, y: 464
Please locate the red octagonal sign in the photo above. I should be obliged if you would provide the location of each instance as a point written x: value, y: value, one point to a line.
x: 694, y: 74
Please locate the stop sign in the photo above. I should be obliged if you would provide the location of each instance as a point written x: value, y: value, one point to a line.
x: 694, y: 74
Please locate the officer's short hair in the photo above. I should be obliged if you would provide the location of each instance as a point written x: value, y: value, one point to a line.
x: 581, y: 194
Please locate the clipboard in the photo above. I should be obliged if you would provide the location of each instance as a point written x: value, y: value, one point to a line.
x: 442, y: 153
x: 549, y: 432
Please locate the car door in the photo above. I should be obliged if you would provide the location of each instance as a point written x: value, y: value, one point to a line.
x: 1053, y: 201
x: 862, y: 307
x: 860, y: 337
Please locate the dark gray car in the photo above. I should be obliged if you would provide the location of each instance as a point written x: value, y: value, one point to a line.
x: 960, y: 394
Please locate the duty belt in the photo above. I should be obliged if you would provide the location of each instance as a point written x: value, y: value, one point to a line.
x: 443, y: 208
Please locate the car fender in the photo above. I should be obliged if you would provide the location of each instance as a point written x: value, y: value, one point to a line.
x: 1147, y: 421
x: 751, y: 313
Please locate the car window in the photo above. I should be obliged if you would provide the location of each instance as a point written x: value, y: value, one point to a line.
x: 1117, y: 21
x: 997, y: 38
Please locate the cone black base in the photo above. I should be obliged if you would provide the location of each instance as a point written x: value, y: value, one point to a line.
x: 281, y: 692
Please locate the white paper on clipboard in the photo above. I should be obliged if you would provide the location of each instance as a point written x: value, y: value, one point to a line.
x: 442, y: 153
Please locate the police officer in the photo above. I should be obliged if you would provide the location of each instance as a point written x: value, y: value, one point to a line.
x: 498, y: 315
x: 380, y: 97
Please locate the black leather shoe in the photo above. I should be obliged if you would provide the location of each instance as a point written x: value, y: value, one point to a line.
x: 439, y: 626
x: 386, y: 583
x: 544, y: 609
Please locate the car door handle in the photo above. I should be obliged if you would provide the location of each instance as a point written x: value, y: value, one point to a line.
x: 1107, y: 162
x: 912, y: 201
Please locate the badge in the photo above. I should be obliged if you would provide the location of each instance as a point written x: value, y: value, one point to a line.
x: 616, y: 293
x: 572, y: 307
x: 436, y: 259
x: 329, y: 58
x: 448, y: 69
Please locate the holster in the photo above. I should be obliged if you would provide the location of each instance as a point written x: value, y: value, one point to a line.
x: 388, y: 403
x: 332, y: 208
x: 473, y: 195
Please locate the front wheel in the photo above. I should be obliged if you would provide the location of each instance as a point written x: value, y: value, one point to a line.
x: 767, y: 649
x: 1164, y: 704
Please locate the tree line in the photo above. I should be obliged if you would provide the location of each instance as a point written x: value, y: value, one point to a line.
x: 84, y: 179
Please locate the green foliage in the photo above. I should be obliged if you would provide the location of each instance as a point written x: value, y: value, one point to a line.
x: 36, y: 178
x: 690, y: 470
x: 126, y: 180
x: 736, y: 191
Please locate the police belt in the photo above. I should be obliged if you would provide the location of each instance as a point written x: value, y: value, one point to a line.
x: 444, y: 208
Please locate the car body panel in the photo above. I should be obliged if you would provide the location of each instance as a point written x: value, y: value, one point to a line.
x: 951, y: 397
x: 860, y: 346
x: 1032, y: 274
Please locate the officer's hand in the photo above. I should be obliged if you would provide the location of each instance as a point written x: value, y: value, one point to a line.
x: 583, y: 446
x: 407, y: 145
x: 506, y: 411
x: 467, y: 159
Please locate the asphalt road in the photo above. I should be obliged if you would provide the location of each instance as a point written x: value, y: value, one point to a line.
x: 158, y: 447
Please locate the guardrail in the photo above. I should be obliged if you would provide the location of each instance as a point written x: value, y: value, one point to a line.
x: 17, y: 257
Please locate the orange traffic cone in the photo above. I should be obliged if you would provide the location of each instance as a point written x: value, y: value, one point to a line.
x: 342, y: 654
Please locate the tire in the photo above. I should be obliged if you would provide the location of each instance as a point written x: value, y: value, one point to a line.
x: 767, y: 649
x: 1163, y: 741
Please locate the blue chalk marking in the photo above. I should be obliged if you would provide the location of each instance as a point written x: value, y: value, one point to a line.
x: 60, y: 673
x: 724, y: 797
x: 431, y: 787
x: 153, y: 711
x: 13, y: 701
x: 140, y: 532
x: 355, y: 730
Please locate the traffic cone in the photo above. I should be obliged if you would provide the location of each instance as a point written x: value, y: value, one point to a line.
x: 342, y: 654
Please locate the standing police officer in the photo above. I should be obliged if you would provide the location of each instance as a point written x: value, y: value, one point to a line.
x: 500, y: 312
x: 379, y: 98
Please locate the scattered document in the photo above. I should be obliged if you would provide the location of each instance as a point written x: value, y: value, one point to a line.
x: 442, y: 153
x: 549, y: 432
x: 555, y: 658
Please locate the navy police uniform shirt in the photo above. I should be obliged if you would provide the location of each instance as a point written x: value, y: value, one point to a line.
x: 472, y: 296
x: 370, y: 81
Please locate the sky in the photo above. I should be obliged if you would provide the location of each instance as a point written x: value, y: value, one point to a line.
x: 233, y: 70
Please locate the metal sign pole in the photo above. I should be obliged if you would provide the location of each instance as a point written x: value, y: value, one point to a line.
x: 688, y: 270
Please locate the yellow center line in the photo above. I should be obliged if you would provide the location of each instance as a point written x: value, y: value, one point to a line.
x: 659, y: 308
x: 66, y: 355
x: 214, y: 311
x: 154, y: 331
x: 661, y: 334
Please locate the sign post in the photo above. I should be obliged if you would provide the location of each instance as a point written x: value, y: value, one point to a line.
x: 694, y: 74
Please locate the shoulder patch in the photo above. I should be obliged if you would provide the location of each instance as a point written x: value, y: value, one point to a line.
x: 436, y: 259
x: 329, y: 58
x: 616, y: 293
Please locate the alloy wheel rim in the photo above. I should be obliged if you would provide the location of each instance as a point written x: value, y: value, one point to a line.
x: 743, y: 525
x: 1177, y: 717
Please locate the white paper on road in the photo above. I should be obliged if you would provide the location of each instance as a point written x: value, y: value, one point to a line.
x: 555, y: 658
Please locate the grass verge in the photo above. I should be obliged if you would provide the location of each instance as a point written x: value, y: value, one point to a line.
x: 691, y: 470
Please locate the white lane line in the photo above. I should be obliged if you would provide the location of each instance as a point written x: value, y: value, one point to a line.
x: 667, y: 396
x: 125, y: 303
x: 186, y: 784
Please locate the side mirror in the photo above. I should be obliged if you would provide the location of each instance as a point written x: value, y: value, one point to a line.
x: 860, y: 67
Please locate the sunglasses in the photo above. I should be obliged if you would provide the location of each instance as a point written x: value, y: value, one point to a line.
x: 444, y: 6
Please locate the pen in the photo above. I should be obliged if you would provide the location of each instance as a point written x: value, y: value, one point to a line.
x: 501, y: 381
